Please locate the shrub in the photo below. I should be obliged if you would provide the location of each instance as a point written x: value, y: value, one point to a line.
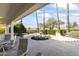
x: 48, y: 32
x: 63, y: 32
x: 2, y: 30
x: 44, y: 31
x: 32, y: 31
x: 19, y: 29
x: 52, y: 32
x: 73, y: 34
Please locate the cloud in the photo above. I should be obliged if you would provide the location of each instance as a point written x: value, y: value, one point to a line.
x: 41, y: 15
x: 60, y: 15
x: 75, y: 14
x: 61, y: 5
x: 64, y: 6
x: 47, y: 15
x: 39, y: 11
x: 73, y: 7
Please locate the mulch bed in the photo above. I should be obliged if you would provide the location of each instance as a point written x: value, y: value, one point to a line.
x: 39, y: 38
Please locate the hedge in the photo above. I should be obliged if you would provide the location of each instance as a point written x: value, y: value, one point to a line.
x: 73, y: 34
x: 52, y: 32
x: 2, y: 31
x: 63, y: 32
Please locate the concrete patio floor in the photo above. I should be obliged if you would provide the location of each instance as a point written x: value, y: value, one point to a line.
x: 51, y: 48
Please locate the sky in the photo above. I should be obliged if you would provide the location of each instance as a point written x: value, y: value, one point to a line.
x: 50, y: 12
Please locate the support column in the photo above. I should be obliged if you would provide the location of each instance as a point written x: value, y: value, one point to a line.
x: 12, y: 31
x: 7, y: 29
x: 12, y: 34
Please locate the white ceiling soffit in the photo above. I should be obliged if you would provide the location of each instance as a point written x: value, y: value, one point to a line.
x: 28, y: 11
x: 15, y: 11
x: 9, y: 10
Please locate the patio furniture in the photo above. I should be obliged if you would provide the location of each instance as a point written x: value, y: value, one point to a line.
x: 2, y: 48
x: 7, y: 39
x: 5, y: 44
x: 20, y: 48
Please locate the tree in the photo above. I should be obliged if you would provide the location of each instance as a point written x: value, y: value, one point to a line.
x: 37, y: 22
x: 19, y: 29
x: 51, y: 23
x: 68, y: 24
x: 29, y: 29
x: 75, y: 24
x: 44, y: 26
x: 58, y: 22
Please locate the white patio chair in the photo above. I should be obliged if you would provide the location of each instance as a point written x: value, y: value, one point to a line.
x: 5, y: 43
x: 20, y: 48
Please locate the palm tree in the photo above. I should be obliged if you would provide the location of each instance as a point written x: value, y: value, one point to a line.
x: 44, y: 20
x: 21, y: 20
x: 37, y: 22
x: 58, y: 17
x: 68, y: 17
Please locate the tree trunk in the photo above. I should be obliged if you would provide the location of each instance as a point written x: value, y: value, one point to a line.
x: 58, y: 23
x: 68, y: 17
x: 44, y: 21
x: 37, y: 22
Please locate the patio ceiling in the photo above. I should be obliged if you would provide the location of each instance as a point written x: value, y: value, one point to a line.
x: 15, y: 11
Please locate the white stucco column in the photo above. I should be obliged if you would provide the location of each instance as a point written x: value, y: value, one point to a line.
x: 7, y: 29
x: 12, y: 31
x: 12, y: 34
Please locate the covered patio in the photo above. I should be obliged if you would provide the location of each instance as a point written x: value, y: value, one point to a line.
x: 12, y: 12
x: 57, y: 45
